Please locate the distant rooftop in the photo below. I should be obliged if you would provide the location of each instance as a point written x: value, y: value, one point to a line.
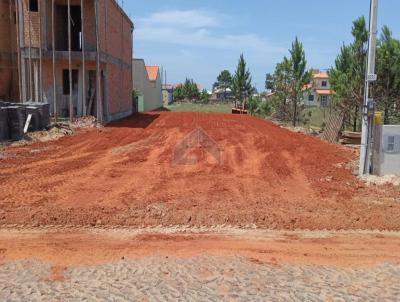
x: 152, y: 72
x: 321, y: 76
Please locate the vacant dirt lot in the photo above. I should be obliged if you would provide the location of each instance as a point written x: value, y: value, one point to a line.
x: 190, y: 169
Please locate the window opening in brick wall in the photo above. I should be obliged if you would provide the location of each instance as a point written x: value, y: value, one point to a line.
x: 33, y: 5
x: 66, y: 81
x: 62, y: 28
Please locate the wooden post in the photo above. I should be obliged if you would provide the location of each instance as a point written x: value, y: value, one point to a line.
x: 98, y: 71
x: 54, y: 61
x: 71, y: 105
x: 83, y: 63
x: 40, y: 53
x: 18, y: 50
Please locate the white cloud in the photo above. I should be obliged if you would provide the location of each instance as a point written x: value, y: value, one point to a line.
x: 198, y: 28
x: 184, y: 18
x: 199, y: 44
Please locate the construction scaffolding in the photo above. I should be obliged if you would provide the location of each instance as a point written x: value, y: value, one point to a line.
x: 73, y: 54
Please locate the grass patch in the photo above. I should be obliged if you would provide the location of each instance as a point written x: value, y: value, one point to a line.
x: 210, y: 108
x: 314, y: 117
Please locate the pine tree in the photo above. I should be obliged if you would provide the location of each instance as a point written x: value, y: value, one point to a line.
x: 300, y: 75
x: 204, y: 96
x: 224, y: 81
x: 241, y: 82
x: 347, y: 78
x: 282, y: 86
x: 190, y: 90
x: 387, y: 88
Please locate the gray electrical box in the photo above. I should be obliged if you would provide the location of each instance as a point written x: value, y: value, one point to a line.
x: 386, y: 150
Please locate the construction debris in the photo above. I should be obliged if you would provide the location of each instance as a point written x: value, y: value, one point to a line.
x: 17, y: 119
x: 381, y: 180
x: 58, y: 130
x: 350, y: 138
x: 85, y: 122
x: 41, y: 53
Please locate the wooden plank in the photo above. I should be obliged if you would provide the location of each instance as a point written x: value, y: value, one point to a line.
x: 350, y: 134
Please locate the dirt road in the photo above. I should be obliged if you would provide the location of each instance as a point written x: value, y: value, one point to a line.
x: 191, y: 169
x: 171, y: 264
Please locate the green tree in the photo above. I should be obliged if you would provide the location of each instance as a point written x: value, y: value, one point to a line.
x: 387, y: 88
x: 178, y: 93
x: 264, y: 108
x: 204, y: 97
x: 288, y: 82
x: 241, y: 82
x: 253, y: 105
x: 269, y: 82
x: 300, y: 76
x: 341, y: 79
x: 224, y: 81
x: 280, y: 84
x: 360, y: 49
x: 190, y: 90
x: 347, y: 77
x: 282, y: 87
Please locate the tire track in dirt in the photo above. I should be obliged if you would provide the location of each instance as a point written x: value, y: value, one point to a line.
x: 125, y: 174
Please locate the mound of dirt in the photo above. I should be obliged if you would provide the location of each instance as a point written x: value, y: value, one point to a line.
x: 191, y: 168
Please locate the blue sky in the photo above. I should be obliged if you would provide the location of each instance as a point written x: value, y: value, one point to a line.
x: 199, y: 38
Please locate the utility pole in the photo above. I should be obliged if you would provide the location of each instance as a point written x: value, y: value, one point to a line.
x: 369, y: 105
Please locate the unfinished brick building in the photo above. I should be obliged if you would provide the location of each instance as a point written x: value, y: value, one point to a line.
x: 79, y: 67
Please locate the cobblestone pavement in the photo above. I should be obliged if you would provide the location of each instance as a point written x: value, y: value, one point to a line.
x: 197, y: 279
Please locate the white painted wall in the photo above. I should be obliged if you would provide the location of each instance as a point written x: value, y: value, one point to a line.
x: 318, y: 84
x: 151, y: 90
x: 317, y: 98
x: 306, y: 98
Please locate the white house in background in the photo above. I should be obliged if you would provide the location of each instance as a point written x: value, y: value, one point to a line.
x: 318, y: 92
x: 147, y: 82
x: 218, y: 94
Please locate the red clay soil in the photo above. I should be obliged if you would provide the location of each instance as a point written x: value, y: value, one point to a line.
x: 191, y: 168
x: 66, y: 249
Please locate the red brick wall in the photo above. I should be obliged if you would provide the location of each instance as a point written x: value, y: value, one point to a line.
x: 89, y: 22
x: 8, y: 42
x: 31, y: 26
x: 4, y: 26
x: 48, y: 78
x: 116, y: 40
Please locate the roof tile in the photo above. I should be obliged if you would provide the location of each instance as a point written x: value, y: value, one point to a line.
x: 152, y: 72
